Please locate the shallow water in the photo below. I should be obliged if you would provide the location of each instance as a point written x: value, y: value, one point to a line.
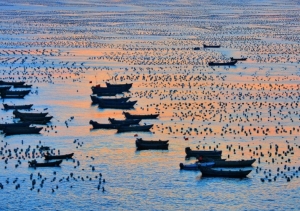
x: 60, y: 47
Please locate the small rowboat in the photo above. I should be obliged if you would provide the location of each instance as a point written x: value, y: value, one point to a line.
x: 125, y: 87
x: 143, y: 144
x: 222, y: 63
x: 203, y: 153
x: 12, y: 83
x: 26, y: 114
x: 96, y: 99
x: 125, y: 122
x: 233, y: 163
x: 132, y: 128
x: 7, y: 107
x: 145, y: 116
x: 21, y: 130
x: 12, y: 125
x: 35, y: 164
x: 209, y: 172
x: 25, y: 86
x: 53, y: 157
x: 36, y: 119
x: 120, y: 105
x: 97, y: 125
x: 195, y: 166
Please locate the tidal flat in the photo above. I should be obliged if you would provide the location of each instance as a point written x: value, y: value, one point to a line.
x: 247, y: 110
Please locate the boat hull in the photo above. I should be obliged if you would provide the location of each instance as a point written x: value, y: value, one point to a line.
x: 56, y: 157
x: 125, y: 122
x: 47, y: 164
x: 138, y: 128
x: 195, y: 166
x: 8, y: 107
x: 145, y: 145
x: 148, y: 116
x: 97, y: 125
x: 209, y: 172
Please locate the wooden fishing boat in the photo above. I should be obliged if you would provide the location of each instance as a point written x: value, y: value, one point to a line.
x: 8, y: 92
x: 7, y: 107
x: 96, y: 99
x: 209, y: 172
x: 26, y: 114
x: 97, y: 125
x: 11, y: 83
x: 124, y: 122
x: 132, y: 128
x: 195, y: 166
x: 233, y: 163
x: 11, y: 125
x: 53, y: 157
x: 202, y: 153
x: 143, y: 144
x: 4, y: 88
x: 222, y: 63
x: 211, y: 46
x: 146, y: 116
x: 105, y: 91
x: 35, y: 119
x: 25, y: 86
x: 238, y: 59
x: 124, y: 87
x: 21, y: 130
x: 17, y: 96
x: 120, y: 105
x: 35, y: 164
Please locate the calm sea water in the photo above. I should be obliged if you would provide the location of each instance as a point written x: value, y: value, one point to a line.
x: 65, y: 47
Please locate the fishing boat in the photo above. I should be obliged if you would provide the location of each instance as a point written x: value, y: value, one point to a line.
x: 105, y: 91
x: 10, y: 96
x: 26, y: 114
x: 22, y: 92
x: 21, y: 130
x: 124, y: 122
x: 7, y: 107
x: 53, y: 157
x: 222, y: 63
x: 4, y: 88
x: 211, y: 46
x: 35, y: 164
x: 124, y: 87
x: 202, y: 153
x: 96, y: 99
x: 25, y: 86
x: 209, y: 172
x: 233, y: 163
x: 97, y: 125
x: 145, y: 116
x: 238, y: 59
x: 12, y: 83
x: 35, y: 119
x: 11, y: 125
x: 120, y: 105
x: 195, y: 166
x: 132, y: 128
x: 144, y: 144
